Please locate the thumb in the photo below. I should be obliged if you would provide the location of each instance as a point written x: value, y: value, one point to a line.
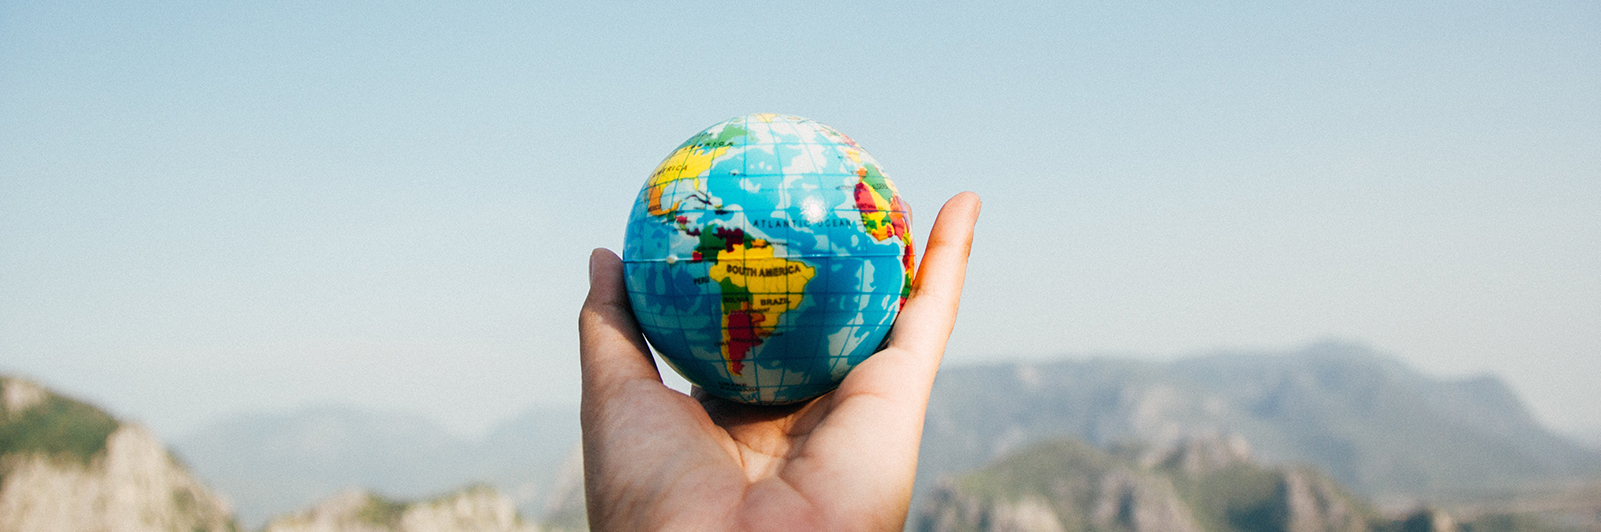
x: 611, y: 349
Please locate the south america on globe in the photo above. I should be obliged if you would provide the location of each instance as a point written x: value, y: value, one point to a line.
x: 767, y: 256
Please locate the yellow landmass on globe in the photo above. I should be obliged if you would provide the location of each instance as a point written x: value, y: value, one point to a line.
x: 757, y: 288
x: 688, y: 163
x: 855, y: 155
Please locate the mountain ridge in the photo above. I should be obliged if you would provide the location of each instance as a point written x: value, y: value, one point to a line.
x: 274, y: 463
x: 1375, y: 424
x: 1206, y: 484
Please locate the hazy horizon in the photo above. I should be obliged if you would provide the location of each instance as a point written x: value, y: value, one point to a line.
x: 1587, y: 436
x: 212, y: 208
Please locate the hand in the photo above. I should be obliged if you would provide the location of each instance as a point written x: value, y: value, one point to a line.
x: 655, y: 458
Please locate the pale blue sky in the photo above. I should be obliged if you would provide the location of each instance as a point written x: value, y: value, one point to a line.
x: 215, y: 207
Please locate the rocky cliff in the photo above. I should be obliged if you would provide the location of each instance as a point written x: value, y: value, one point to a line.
x: 67, y: 466
x: 1202, y: 484
x: 1199, y: 485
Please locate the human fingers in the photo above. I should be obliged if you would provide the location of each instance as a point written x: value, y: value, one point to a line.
x: 902, y: 375
x: 611, y: 349
x: 646, y: 447
x: 926, y: 321
x: 872, y: 430
x: 917, y: 343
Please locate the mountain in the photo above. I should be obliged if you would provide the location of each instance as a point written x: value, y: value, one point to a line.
x: 273, y: 464
x: 533, y: 457
x: 565, y: 508
x: 1372, y: 423
x: 68, y: 466
x: 476, y: 508
x: 1208, y: 484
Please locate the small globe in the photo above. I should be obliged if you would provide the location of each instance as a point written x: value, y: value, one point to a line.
x: 766, y: 257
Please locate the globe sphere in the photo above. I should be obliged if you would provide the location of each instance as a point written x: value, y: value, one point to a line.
x: 766, y: 256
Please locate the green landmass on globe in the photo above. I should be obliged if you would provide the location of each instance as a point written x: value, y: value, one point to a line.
x: 766, y: 256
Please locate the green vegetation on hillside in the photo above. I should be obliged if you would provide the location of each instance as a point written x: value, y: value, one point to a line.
x: 386, y: 512
x: 56, y: 426
x: 1507, y: 523
x: 1380, y: 428
x: 1204, y: 485
x: 1241, y: 497
x: 1033, y: 470
x: 382, y: 511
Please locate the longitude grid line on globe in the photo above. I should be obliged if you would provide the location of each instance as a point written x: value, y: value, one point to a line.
x: 754, y: 372
x: 825, y: 268
x: 821, y: 362
x: 682, y: 335
x: 789, y: 235
x: 678, y: 320
x: 754, y: 366
x: 788, y: 228
x: 670, y: 189
x: 676, y: 158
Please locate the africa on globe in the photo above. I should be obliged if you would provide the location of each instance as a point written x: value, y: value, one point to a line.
x: 767, y: 256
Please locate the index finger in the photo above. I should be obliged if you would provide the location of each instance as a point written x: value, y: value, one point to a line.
x: 871, y: 433
x: 905, y: 370
x: 926, y: 322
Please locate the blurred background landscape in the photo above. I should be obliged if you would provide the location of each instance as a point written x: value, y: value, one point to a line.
x: 1323, y: 266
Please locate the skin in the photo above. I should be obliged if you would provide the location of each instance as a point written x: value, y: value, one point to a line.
x: 656, y: 459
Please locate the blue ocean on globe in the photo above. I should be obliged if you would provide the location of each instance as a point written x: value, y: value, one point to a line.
x: 766, y: 256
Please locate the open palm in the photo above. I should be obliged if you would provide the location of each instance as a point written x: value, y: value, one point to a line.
x: 655, y: 458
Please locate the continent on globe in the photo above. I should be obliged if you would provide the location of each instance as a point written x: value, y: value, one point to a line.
x: 757, y: 289
x: 766, y: 256
x: 688, y: 162
x: 884, y: 218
